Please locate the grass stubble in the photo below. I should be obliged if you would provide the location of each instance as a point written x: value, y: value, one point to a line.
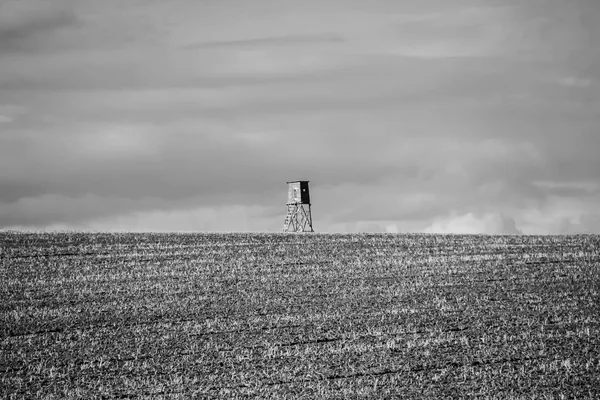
x: 299, y: 316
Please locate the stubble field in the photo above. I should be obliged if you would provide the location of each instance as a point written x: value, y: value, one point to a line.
x: 299, y: 316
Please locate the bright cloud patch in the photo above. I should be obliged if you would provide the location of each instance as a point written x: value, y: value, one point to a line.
x: 115, y: 141
x: 474, y: 224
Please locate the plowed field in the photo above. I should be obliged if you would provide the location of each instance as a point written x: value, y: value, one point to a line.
x: 299, y: 316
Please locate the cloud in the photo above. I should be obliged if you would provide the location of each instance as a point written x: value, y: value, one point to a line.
x: 284, y: 40
x: 24, y: 22
x: 47, y: 209
x: 492, y: 224
x: 391, y: 228
x: 582, y: 224
x: 575, y: 82
x: 218, y: 219
x: 10, y: 113
x: 186, y: 219
x: 457, y: 32
x: 572, y: 189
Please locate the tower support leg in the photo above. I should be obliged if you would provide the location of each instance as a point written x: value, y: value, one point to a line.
x: 298, y: 218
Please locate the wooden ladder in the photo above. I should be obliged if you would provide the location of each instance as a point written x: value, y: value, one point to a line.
x: 288, y: 219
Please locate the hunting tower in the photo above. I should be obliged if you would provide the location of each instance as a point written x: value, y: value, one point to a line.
x: 298, y: 217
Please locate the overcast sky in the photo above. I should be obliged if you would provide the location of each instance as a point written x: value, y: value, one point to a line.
x: 466, y: 116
